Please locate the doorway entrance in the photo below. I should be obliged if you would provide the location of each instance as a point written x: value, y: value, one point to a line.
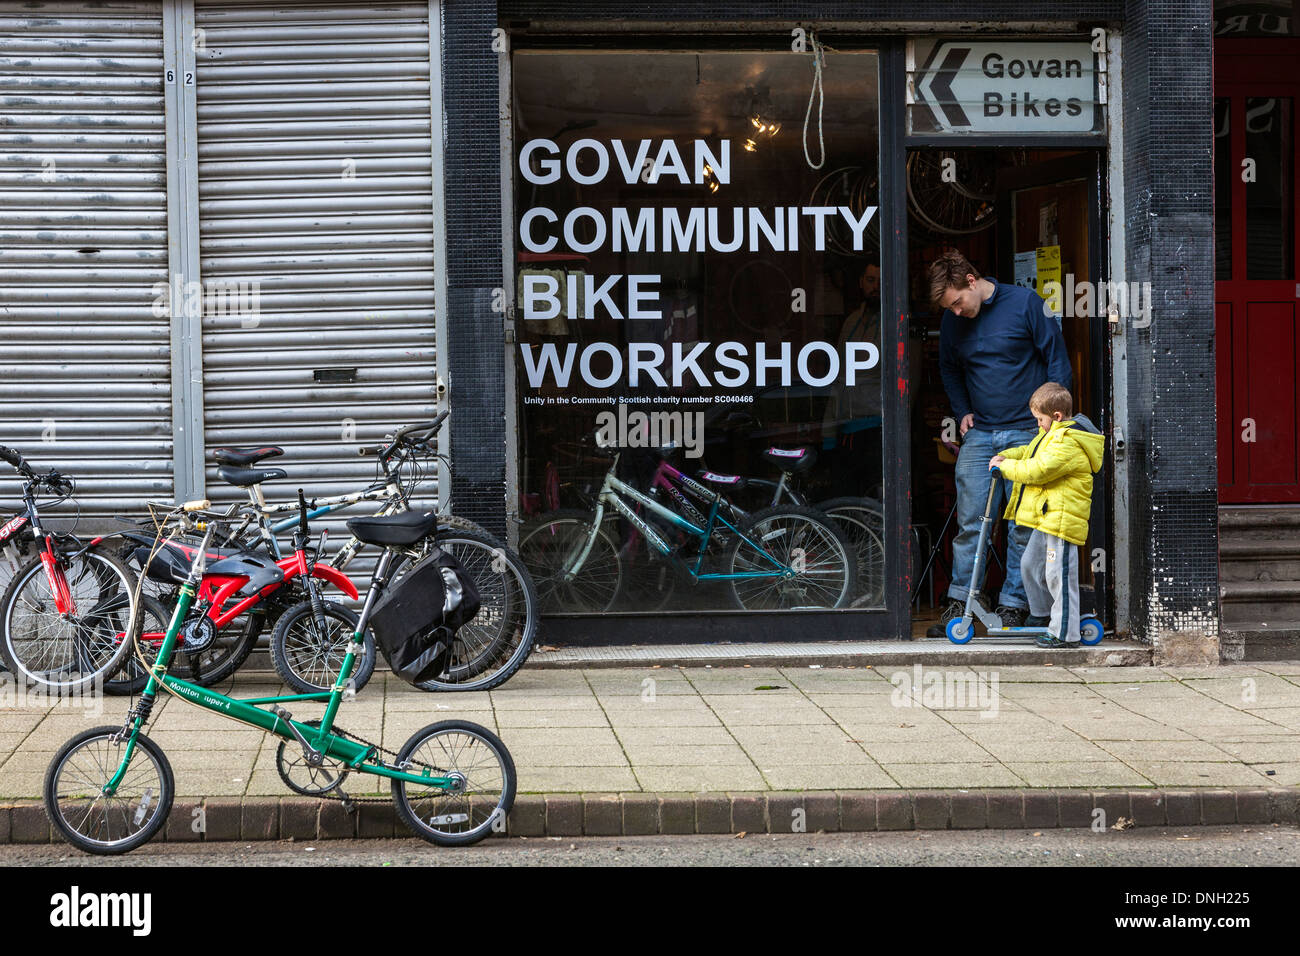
x: 1021, y: 216
x: 1256, y: 268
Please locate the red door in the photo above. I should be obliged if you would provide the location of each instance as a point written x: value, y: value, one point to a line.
x: 1257, y: 271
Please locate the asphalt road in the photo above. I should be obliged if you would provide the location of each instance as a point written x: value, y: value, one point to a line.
x: 1157, y: 847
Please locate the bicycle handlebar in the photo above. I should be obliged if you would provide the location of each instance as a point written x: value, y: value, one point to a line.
x: 402, y: 437
x: 432, y: 426
x: 12, y: 456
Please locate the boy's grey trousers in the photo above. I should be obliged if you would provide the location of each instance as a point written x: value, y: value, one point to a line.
x: 1049, y: 569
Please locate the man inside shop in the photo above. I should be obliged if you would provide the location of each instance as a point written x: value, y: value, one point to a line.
x: 997, y: 344
x: 851, y: 436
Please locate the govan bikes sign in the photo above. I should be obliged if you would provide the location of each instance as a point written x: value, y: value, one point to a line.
x: 1005, y: 86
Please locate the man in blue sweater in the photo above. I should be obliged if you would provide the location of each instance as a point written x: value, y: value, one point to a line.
x: 997, y: 344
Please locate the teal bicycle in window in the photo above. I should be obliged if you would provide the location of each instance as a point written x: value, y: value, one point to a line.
x: 786, y: 557
x: 109, y: 789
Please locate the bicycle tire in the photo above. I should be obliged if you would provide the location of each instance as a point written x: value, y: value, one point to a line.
x: 61, y: 792
x: 487, y: 796
x: 27, y: 599
x: 313, y: 667
x: 863, y: 522
x: 826, y: 556
x: 490, y: 648
x: 548, y: 546
x: 457, y: 523
x: 131, y: 677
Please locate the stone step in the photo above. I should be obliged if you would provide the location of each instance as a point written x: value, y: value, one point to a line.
x: 1273, y: 591
x: 1273, y: 548
x: 1255, y: 602
x: 1277, y: 640
x: 1249, y: 517
x: 1259, y: 569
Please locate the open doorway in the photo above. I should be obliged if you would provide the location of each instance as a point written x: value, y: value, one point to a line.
x: 1024, y: 216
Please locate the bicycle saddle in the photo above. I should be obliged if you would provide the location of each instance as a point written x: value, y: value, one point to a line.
x: 243, y: 477
x: 405, y: 528
x: 791, y: 460
x: 730, y: 481
x: 246, y: 455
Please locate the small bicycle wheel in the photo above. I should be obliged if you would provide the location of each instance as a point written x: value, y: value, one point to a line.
x: 94, y: 821
x: 863, y: 523
x: 551, y: 550
x: 67, y: 651
x: 790, y: 557
x: 493, y: 645
x: 483, y: 792
x: 308, y: 659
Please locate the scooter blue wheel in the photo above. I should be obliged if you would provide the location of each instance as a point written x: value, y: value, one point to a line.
x: 1090, y: 631
x: 959, y: 630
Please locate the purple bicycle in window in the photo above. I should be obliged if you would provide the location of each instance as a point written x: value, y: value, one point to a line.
x: 786, y: 557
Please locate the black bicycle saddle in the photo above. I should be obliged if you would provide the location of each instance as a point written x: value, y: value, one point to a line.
x: 791, y: 460
x: 400, y: 529
x: 246, y: 455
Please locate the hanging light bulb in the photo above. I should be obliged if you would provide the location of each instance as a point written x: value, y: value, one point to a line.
x: 710, y: 178
x: 761, y: 116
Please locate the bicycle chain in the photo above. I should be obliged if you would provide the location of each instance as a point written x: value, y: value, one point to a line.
x: 343, y: 797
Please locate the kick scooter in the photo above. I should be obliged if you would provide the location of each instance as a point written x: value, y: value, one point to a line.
x: 961, y: 629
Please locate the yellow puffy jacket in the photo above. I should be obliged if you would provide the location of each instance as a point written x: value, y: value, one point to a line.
x: 1053, y: 479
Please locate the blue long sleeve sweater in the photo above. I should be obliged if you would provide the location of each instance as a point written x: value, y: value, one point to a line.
x: 992, y: 363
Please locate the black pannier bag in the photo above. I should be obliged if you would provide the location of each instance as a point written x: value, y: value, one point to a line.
x: 415, y: 622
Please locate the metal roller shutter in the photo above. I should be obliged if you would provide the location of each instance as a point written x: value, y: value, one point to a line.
x: 85, y: 374
x: 315, y: 182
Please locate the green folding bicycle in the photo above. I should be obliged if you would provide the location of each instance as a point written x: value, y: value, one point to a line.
x: 109, y: 789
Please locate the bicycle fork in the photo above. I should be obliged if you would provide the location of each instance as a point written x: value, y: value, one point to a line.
x: 57, y: 580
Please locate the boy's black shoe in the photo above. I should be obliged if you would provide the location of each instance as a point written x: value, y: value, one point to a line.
x: 1047, y: 640
x: 952, y: 610
x: 1034, y: 620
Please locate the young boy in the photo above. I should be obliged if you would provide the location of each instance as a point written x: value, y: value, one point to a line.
x: 1053, y: 496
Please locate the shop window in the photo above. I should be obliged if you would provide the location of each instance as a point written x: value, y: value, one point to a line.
x: 698, y: 335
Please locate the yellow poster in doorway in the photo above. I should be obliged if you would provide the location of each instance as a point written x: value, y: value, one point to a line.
x: 1048, y: 267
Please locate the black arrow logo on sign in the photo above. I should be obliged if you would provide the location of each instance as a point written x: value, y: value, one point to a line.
x: 941, y: 86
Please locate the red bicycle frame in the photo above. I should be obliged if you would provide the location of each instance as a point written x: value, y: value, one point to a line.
x: 220, y: 588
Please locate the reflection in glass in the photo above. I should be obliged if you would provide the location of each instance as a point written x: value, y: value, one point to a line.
x: 1270, y: 202
x: 698, y: 321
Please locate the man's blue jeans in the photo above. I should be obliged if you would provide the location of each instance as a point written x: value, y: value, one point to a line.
x: 973, y: 478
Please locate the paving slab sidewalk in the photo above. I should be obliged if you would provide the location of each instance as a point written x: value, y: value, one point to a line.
x: 646, y: 749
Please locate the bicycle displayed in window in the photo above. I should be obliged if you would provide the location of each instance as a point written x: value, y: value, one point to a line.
x: 861, y: 519
x: 781, y: 558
